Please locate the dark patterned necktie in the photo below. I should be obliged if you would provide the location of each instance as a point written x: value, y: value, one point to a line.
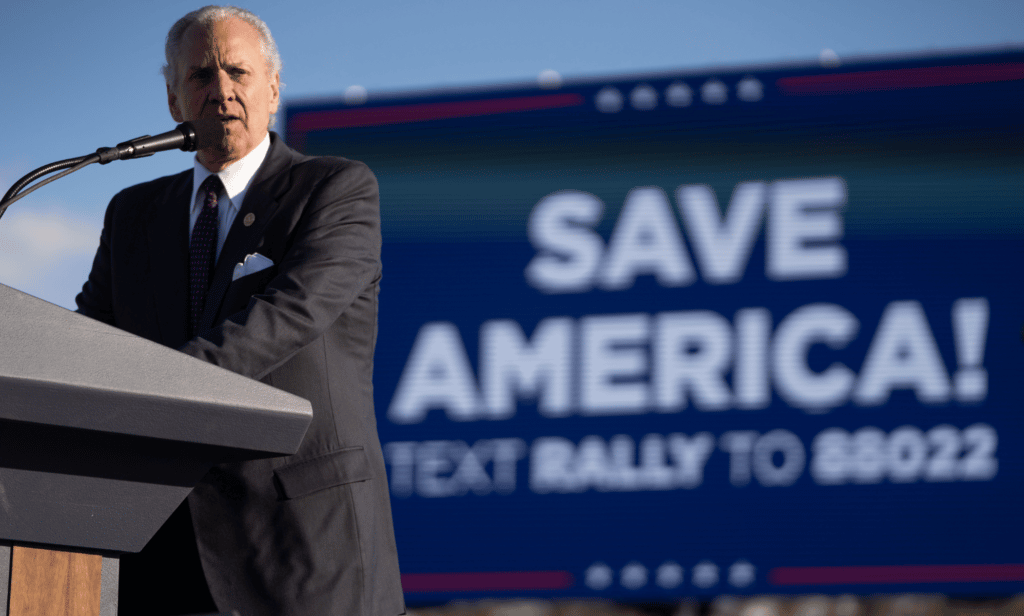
x: 202, y: 251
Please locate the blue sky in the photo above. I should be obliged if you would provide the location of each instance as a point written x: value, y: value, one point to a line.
x: 80, y: 75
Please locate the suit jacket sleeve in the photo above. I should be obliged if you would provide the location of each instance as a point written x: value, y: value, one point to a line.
x: 333, y: 255
x: 96, y: 300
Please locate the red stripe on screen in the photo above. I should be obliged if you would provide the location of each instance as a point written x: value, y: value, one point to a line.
x: 895, y: 574
x: 486, y: 581
x: 399, y: 114
x: 900, y: 78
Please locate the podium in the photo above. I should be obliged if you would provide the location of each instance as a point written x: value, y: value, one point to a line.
x: 102, y: 435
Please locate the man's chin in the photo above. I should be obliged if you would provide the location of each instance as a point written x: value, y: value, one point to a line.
x: 216, y: 157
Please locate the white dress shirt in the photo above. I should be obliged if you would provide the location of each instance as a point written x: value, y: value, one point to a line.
x: 236, y: 178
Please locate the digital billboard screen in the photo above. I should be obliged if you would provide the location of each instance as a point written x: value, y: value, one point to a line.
x: 744, y: 330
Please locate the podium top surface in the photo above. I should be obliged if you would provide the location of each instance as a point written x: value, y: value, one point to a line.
x: 60, y: 368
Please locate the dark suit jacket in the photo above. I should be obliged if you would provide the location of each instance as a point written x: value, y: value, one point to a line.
x: 305, y: 534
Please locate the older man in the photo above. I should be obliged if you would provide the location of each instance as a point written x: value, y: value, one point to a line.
x: 306, y: 534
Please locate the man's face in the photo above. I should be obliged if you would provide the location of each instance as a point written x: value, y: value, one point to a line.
x: 222, y: 74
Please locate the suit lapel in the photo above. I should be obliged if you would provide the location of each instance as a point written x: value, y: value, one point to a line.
x: 168, y: 245
x: 261, y: 202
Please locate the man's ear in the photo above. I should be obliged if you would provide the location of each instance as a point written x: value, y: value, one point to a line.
x: 172, y: 104
x: 275, y: 92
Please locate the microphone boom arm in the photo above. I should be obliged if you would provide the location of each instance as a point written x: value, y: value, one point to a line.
x: 183, y: 137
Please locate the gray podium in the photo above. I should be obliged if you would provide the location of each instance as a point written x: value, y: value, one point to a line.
x: 102, y: 435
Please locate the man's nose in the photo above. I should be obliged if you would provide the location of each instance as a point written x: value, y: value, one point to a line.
x: 221, y: 88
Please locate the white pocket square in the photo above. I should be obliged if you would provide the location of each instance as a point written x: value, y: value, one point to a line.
x: 253, y: 263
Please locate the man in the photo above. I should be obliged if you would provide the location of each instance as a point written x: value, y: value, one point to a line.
x: 306, y: 534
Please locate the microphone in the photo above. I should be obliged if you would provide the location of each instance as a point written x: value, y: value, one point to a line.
x: 187, y: 136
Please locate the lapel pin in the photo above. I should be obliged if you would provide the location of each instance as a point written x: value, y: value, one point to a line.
x: 249, y: 219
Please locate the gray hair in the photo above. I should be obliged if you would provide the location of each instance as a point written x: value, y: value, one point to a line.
x: 206, y: 17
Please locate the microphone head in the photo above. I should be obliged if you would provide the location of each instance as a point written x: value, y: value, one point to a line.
x: 201, y: 133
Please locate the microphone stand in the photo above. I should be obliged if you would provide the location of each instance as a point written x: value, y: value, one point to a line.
x: 75, y: 164
x: 183, y: 137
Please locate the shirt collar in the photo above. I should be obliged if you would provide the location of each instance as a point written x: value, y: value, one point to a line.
x: 236, y: 177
